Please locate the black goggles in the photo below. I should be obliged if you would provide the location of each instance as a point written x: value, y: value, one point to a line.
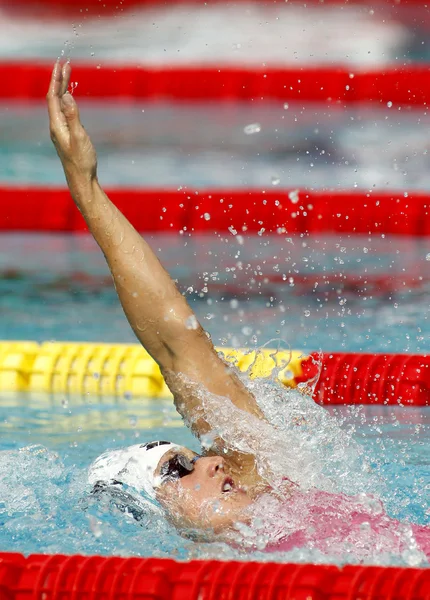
x: 177, y: 466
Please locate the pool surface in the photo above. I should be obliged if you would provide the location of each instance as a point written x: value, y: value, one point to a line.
x: 168, y: 145
x: 47, y: 444
x: 332, y: 293
x: 347, y: 294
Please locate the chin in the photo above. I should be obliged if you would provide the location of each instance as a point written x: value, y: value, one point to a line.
x: 204, y: 524
x: 226, y: 533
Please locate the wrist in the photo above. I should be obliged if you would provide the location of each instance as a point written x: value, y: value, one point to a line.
x: 81, y: 184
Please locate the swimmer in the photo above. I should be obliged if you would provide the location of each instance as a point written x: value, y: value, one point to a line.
x: 213, y: 493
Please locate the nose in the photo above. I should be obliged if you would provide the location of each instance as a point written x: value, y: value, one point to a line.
x: 214, y: 465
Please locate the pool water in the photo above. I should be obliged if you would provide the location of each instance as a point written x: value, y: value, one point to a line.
x: 333, y: 293
x: 47, y: 444
x: 167, y: 145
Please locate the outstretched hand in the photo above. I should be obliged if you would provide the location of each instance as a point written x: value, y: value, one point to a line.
x: 70, y: 139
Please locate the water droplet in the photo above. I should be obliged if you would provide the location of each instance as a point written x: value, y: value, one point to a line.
x: 389, y: 104
x: 294, y: 196
x: 428, y: 256
x: 207, y: 440
x: 207, y: 217
x: 191, y: 322
x: 247, y: 330
x: 275, y: 180
x: 413, y: 557
x: 307, y: 313
x: 95, y: 526
x: 286, y: 106
x: 252, y: 128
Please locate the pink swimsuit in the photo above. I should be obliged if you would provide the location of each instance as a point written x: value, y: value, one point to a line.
x: 338, y: 524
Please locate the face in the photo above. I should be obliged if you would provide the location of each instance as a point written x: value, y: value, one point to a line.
x: 206, y: 497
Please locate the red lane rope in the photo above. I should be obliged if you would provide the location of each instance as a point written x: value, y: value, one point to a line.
x: 378, y: 379
x: 402, y: 86
x: 91, y: 7
x: 48, y: 209
x: 165, y: 579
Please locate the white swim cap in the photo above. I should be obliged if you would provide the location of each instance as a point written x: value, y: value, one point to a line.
x: 135, y: 466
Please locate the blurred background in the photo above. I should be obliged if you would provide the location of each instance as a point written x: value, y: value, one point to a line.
x: 256, y: 132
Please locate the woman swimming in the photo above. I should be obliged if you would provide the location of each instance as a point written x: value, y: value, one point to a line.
x: 220, y: 492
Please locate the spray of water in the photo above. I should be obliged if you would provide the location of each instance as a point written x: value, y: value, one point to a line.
x: 335, y: 505
x: 299, y: 440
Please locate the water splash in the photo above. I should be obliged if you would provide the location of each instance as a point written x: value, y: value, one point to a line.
x: 47, y: 506
x: 299, y: 440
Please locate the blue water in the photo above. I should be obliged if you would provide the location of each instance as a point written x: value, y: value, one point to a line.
x: 330, y: 293
x: 338, y: 294
x: 47, y: 444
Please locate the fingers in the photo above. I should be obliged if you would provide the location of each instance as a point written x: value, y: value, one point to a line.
x: 59, y: 80
x: 53, y: 95
x: 57, y: 120
x: 55, y: 84
x: 65, y: 72
x: 64, y: 121
x: 68, y: 104
x: 71, y: 113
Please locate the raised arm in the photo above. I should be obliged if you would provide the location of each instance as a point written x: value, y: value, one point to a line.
x: 159, y: 315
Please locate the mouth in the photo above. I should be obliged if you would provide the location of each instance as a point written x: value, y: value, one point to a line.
x: 227, y: 485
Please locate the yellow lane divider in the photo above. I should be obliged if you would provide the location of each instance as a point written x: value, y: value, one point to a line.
x: 121, y: 370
